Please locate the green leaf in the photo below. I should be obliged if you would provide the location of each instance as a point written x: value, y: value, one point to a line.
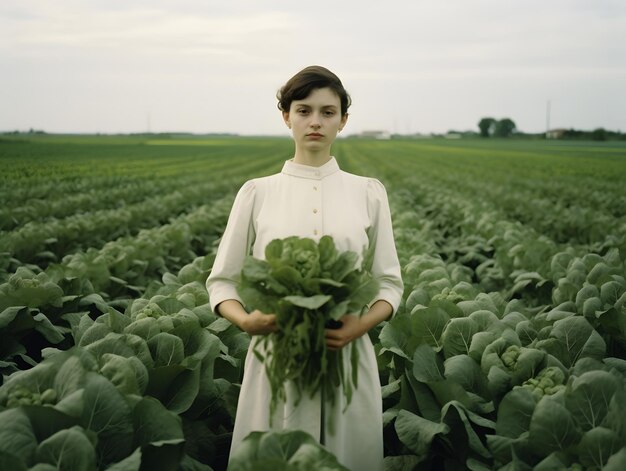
x: 345, y: 263
x: 615, y: 418
x: 125, y: 345
x: 419, y: 397
x: 515, y: 412
x: 597, y: 446
x: 107, y: 414
x: 487, y: 321
x: 457, y: 418
x: 130, y: 463
x: 43, y: 325
x: 395, y: 337
x: 588, y: 397
x: 480, y: 341
x: 513, y: 318
x: 68, y: 450
x: 96, y: 331
x: 483, y: 301
x: 463, y: 370
x: 328, y: 252
x: 599, y: 271
x: 401, y: 463
x: 170, y: 305
x: 610, y: 292
x: 617, y: 462
x: 578, y: 339
x: 10, y: 313
x: 586, y: 292
x: 526, y: 332
x: 255, y: 270
x: 70, y: 377
x: 529, y: 363
x: 125, y: 373
x: 427, y: 366
x: 166, y: 349
x: 559, y: 263
x: 499, y: 382
x: 418, y: 297
x: 363, y: 294
x: 182, y: 391
x: 46, y: 421
x: 11, y: 462
x: 95, y: 300
x: 428, y: 326
x: 145, y: 327
x: 282, y: 450
x: 552, y: 427
x: 506, y: 450
x: 274, y: 250
x: 404, y: 333
x: 154, y: 424
x: 591, y: 306
x: 457, y: 336
x: 553, y: 461
x: 418, y: 433
x: 16, y: 435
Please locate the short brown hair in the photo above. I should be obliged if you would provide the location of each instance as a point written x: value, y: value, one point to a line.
x: 308, y: 79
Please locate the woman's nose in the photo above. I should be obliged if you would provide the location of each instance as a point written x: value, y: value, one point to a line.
x: 315, y: 120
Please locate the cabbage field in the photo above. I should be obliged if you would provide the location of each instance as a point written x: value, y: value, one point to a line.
x: 508, y: 352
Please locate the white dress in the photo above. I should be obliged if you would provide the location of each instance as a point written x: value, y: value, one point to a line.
x: 311, y: 202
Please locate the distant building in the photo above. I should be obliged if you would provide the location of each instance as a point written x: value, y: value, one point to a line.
x: 374, y: 135
x: 555, y: 133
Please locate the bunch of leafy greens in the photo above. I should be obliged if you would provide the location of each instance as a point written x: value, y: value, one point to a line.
x: 309, y: 286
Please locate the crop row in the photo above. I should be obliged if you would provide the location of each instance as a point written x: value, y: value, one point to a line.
x: 580, y: 213
x: 58, y: 199
x: 47, y: 242
x: 69, y: 202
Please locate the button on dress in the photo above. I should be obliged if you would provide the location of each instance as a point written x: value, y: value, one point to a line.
x: 312, y: 202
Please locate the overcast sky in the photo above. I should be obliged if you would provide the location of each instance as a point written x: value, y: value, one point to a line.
x: 215, y: 65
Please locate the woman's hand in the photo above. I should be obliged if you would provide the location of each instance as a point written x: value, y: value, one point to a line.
x: 258, y: 323
x: 350, y: 330
x: 255, y: 323
x: 355, y: 326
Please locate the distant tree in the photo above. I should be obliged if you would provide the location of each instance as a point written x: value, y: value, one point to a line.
x: 505, y: 127
x: 487, y: 127
x: 599, y: 134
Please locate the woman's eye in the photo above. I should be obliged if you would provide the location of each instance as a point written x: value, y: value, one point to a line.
x: 303, y: 111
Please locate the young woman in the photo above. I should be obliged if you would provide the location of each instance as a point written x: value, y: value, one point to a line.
x: 312, y: 197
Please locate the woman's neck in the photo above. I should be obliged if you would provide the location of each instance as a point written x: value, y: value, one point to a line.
x: 313, y: 159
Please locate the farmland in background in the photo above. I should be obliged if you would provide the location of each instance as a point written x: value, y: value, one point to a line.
x: 509, y: 349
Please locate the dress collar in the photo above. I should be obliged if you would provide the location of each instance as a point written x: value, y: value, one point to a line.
x: 307, y: 171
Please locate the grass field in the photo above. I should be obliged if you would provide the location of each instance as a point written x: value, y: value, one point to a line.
x: 508, y: 352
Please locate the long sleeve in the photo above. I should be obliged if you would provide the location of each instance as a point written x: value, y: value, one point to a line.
x: 385, y: 267
x: 233, y: 248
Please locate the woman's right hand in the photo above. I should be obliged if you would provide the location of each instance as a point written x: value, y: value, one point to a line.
x: 258, y: 323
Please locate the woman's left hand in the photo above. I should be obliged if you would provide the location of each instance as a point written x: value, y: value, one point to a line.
x: 350, y: 330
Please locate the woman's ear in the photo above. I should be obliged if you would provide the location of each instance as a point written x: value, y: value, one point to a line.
x: 286, y: 119
x: 344, y: 120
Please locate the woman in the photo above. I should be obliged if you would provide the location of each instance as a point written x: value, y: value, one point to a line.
x: 312, y: 197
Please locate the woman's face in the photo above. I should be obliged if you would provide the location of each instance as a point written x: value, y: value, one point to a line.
x: 316, y: 119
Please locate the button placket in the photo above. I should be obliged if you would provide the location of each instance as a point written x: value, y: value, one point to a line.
x: 317, y: 208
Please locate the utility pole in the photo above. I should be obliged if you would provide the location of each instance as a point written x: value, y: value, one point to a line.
x: 547, y: 118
